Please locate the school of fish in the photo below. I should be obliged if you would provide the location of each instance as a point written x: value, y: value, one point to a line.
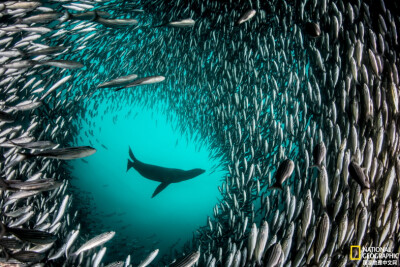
x: 299, y: 100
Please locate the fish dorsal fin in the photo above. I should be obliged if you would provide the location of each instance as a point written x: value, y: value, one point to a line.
x: 159, y: 188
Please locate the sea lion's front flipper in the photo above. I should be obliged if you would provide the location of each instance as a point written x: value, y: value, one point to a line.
x: 159, y: 188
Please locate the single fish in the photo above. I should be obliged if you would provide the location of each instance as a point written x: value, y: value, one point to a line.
x: 37, y: 185
x: 143, y: 81
x: 95, y: 242
x: 358, y: 175
x: 116, y: 264
x: 319, y: 153
x: 118, y: 81
x: 283, y: 172
x: 65, y: 64
x: 42, y: 18
x: 183, y: 23
x: 65, y: 153
x: 149, y: 259
x: 22, y: 5
x: 32, y: 236
x: 312, y: 29
x: 47, y: 51
x: 28, y: 256
x: 11, y: 243
x: 247, y: 16
x: 116, y: 23
x: 186, y: 261
x: 261, y: 242
x: 35, y: 145
x: 27, y: 105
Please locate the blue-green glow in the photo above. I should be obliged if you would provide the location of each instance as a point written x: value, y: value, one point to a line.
x: 122, y: 200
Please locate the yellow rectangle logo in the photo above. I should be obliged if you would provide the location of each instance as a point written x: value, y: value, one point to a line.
x: 351, y: 253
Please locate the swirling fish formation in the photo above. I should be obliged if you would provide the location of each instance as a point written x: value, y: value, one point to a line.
x: 275, y: 87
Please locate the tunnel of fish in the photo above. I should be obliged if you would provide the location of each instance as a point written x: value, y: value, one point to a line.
x: 297, y: 99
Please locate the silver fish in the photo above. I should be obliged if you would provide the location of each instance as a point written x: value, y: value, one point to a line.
x: 261, y: 242
x: 118, y: 81
x: 274, y: 255
x: 322, y: 237
x: 312, y: 29
x: 183, y: 23
x: 319, y: 153
x: 252, y: 241
x: 358, y: 175
x: 143, y: 81
x: 187, y: 261
x: 42, y: 18
x: 99, y: 257
x: 283, y: 172
x: 95, y: 242
x: 65, y: 153
x: 307, y: 212
x: 71, y: 241
x: 116, y: 23
x: 116, y: 264
x: 388, y: 184
x: 247, y: 16
x: 149, y: 259
x: 323, y: 186
x: 22, y: 5
x: 65, y: 64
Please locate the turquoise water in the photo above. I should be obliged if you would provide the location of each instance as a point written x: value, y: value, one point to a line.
x: 121, y: 201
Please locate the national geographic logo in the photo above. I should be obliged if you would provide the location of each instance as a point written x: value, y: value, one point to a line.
x: 374, y: 256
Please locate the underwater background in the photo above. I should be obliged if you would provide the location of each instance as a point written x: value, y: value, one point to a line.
x: 120, y: 200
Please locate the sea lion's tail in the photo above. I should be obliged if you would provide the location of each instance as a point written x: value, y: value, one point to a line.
x: 131, y: 160
x: 130, y: 165
x: 131, y: 155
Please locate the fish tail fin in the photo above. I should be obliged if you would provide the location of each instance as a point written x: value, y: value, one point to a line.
x: 4, y: 185
x: 276, y: 186
x: 26, y: 155
x: 3, y: 229
x: 7, y: 254
x: 12, y: 142
x: 159, y: 26
x: 303, y: 236
x: 365, y: 190
x: 315, y: 166
x: 43, y: 63
x: 22, y: 52
x: 96, y: 16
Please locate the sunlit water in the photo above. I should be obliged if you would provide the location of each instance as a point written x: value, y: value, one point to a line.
x: 121, y: 200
